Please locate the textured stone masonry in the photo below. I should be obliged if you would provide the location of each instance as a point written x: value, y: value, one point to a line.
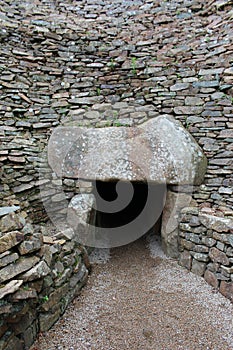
x: 39, y: 276
x: 59, y: 59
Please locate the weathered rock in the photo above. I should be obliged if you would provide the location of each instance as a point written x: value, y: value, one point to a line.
x: 198, y: 267
x: 24, y: 294
x: 15, y: 269
x: 38, y: 271
x: 10, y: 240
x: 7, y: 258
x: 55, y: 297
x: 12, y: 222
x: 30, y: 246
x: 169, y: 230
x: 200, y: 256
x: 211, y: 278
x: 81, y: 217
x: 10, y: 287
x: 226, y: 288
x: 46, y: 320
x: 185, y: 259
x: 8, y: 210
x: 216, y: 223
x: 160, y: 150
x: 217, y: 255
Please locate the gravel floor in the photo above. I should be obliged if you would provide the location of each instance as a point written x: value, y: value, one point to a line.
x: 139, y: 299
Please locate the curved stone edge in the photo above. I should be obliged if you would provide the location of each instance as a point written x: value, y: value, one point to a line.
x: 159, y: 150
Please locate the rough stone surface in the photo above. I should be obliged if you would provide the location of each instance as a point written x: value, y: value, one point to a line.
x: 11, y: 222
x: 211, y: 279
x: 217, y: 256
x: 226, y: 288
x: 38, y: 271
x: 20, y: 266
x: 8, y: 210
x: 217, y: 223
x: 10, y: 287
x: 198, y: 267
x: 160, y: 150
x: 169, y: 230
x: 10, y: 240
x: 81, y: 217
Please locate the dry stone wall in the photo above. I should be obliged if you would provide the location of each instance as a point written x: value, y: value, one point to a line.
x: 60, y: 58
x: 39, y: 275
x: 206, y: 245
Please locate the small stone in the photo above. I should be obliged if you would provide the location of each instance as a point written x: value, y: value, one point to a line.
x: 10, y: 287
x: 194, y: 101
x: 30, y: 246
x: 17, y: 159
x: 17, y: 268
x: 38, y: 271
x: 226, y: 288
x: 23, y: 187
x: 179, y: 87
x: 8, y: 258
x: 200, y: 256
x: 206, y: 84
x: 46, y: 320
x: 185, y: 260
x: 24, y: 294
x: 217, y: 255
x: 10, y: 240
x: 226, y: 133
x: 216, y: 223
x: 198, y: 267
x: 210, y: 242
x: 8, y: 210
x: 211, y: 279
x: 194, y: 221
x: 188, y: 110
x: 213, y: 71
x: 11, y: 222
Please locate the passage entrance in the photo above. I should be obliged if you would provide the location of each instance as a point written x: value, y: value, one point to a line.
x: 135, y: 207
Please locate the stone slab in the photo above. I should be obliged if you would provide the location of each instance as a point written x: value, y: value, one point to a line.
x: 160, y: 150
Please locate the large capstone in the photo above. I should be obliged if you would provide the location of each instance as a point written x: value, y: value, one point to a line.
x: 160, y: 150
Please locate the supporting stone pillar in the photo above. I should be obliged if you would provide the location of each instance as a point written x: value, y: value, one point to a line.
x: 81, y: 217
x: 170, y: 221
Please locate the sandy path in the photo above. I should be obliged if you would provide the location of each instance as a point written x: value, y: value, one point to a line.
x: 137, y: 302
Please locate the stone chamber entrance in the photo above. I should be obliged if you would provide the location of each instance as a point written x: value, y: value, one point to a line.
x: 136, y: 194
x: 61, y: 59
x: 152, y: 164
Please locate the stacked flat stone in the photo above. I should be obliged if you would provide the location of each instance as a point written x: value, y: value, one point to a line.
x: 39, y: 276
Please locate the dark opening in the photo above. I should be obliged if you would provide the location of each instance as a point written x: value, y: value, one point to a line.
x: 136, y: 195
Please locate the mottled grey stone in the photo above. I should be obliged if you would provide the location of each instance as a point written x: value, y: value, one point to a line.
x: 10, y: 287
x: 217, y: 255
x: 160, y: 150
x: 38, y: 271
x: 8, y: 210
x: 15, y: 269
x: 185, y: 259
x: 211, y: 278
x: 216, y: 223
x: 11, y: 222
x: 200, y: 256
x: 169, y: 230
x: 198, y: 267
x: 81, y: 217
x: 10, y: 240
